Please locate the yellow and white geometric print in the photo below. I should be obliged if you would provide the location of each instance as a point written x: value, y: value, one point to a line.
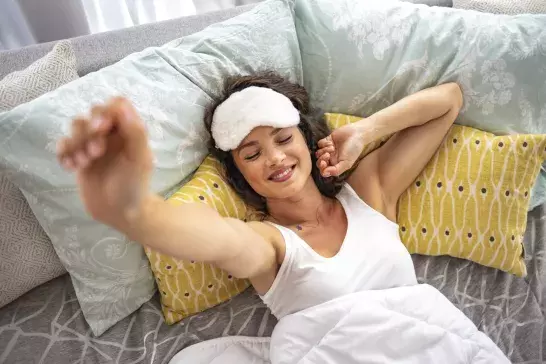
x: 190, y: 287
x: 471, y: 199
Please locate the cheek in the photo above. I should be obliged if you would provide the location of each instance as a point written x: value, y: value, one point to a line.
x: 304, y: 157
x: 253, y: 174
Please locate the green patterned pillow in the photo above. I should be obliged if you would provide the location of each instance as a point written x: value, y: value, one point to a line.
x: 361, y: 56
x: 170, y: 86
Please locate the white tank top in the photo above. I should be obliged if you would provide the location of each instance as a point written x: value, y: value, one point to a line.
x: 372, y: 256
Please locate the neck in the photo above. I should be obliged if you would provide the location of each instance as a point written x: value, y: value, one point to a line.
x: 306, y: 207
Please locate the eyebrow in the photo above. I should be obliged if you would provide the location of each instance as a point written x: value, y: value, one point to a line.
x: 253, y: 142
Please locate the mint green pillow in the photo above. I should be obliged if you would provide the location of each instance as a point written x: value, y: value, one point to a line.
x: 170, y: 86
x: 360, y: 56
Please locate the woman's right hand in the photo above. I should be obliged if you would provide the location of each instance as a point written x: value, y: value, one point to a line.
x: 340, y: 150
x: 110, y: 154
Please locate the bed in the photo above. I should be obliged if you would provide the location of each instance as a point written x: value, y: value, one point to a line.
x: 47, y: 326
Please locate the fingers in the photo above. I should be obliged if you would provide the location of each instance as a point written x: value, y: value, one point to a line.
x: 80, y: 130
x: 96, y: 147
x: 101, y: 120
x: 324, y: 158
x: 324, y: 163
x: 327, y: 149
x: 115, y: 124
x: 325, y: 155
x: 336, y: 170
x: 69, y: 150
x: 326, y: 142
x: 74, y: 156
x: 130, y: 126
x: 62, y: 154
x: 87, y: 139
x: 330, y: 167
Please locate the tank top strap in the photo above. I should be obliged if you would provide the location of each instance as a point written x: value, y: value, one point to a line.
x: 286, y: 233
x: 285, y: 268
x: 350, y: 196
x: 291, y: 242
x: 356, y: 206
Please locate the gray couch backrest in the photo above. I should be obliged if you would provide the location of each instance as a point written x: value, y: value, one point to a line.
x: 96, y: 51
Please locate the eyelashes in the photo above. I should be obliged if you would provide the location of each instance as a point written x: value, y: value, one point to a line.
x: 285, y: 140
x: 257, y: 154
x: 252, y: 157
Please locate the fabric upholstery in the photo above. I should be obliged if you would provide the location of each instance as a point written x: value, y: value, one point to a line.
x: 55, y: 69
x: 444, y: 3
x: 27, y: 257
x: 97, y: 51
x: 509, y: 7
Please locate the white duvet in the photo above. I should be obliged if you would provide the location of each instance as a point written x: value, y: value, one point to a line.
x: 414, y: 324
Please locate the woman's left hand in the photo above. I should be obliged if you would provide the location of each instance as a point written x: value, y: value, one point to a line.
x: 339, y: 151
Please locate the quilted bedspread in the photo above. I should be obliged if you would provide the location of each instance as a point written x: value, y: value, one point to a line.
x: 407, y: 325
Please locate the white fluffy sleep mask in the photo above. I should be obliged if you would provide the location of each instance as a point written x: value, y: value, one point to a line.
x: 247, y: 109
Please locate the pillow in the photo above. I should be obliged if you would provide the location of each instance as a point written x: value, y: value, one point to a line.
x: 53, y: 70
x: 471, y: 199
x: 446, y: 3
x: 391, y: 49
x: 503, y: 6
x: 509, y: 7
x: 170, y: 86
x: 27, y: 257
x: 191, y: 287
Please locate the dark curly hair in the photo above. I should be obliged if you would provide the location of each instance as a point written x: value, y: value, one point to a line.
x: 312, y: 125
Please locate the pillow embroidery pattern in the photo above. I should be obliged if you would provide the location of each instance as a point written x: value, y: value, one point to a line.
x: 391, y: 49
x: 471, y: 199
x: 190, y: 287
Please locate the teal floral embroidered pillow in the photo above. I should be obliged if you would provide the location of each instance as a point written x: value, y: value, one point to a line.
x: 171, y: 87
x: 361, y: 56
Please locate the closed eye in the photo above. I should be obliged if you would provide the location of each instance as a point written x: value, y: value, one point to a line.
x: 252, y: 157
x: 285, y: 140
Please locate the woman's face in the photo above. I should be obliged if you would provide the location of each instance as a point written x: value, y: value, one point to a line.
x: 275, y: 162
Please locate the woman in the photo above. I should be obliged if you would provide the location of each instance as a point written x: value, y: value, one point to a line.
x: 325, y: 233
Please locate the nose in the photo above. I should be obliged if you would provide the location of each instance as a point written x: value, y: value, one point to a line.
x: 275, y: 156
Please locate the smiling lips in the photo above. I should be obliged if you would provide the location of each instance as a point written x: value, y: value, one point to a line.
x: 282, y: 175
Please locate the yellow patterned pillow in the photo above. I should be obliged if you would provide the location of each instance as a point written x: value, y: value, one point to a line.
x: 471, y: 199
x: 190, y: 287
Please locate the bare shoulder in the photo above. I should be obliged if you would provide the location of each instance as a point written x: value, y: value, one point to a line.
x: 270, y: 234
x: 367, y: 185
x: 263, y: 282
